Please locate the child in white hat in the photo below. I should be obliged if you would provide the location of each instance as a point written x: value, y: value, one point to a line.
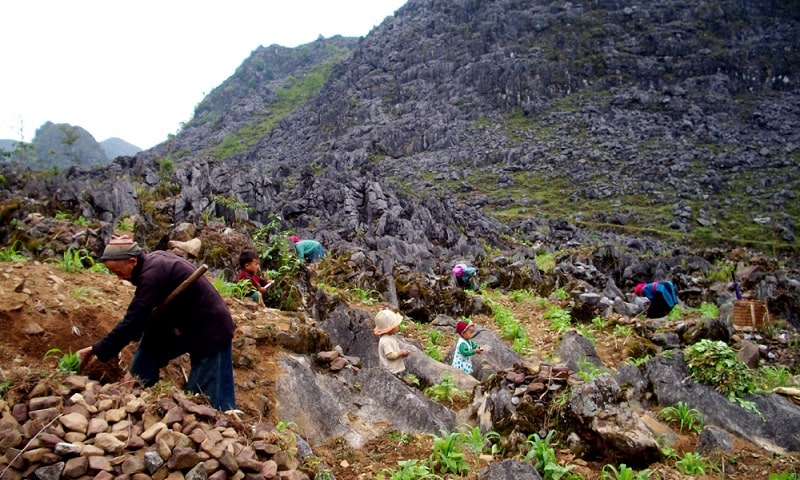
x: 391, y: 355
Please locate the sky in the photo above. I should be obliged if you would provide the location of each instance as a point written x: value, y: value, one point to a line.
x: 137, y: 69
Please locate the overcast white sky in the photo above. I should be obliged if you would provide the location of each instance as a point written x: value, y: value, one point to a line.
x: 136, y: 69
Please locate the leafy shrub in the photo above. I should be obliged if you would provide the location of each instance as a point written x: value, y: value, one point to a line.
x: 714, y: 363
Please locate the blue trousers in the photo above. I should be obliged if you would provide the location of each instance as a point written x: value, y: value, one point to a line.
x: 211, y: 375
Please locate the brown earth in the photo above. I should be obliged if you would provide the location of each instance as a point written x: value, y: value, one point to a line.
x: 44, y: 308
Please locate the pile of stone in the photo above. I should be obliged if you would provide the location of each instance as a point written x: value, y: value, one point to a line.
x: 81, y: 429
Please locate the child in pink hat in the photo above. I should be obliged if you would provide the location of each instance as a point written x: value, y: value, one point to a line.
x: 465, y: 347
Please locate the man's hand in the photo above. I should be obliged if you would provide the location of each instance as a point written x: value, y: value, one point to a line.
x: 84, y: 354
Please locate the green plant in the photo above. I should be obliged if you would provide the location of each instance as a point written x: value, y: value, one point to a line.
x: 409, y: 470
x: 623, y: 331
x: 709, y: 310
x: 546, y: 261
x: 509, y: 325
x: 232, y: 289
x: 689, y: 418
x: 638, y: 361
x: 586, y: 332
x: 445, y: 390
x: 124, y: 224
x: 401, y: 437
x: 692, y: 464
x: 100, y: 267
x: 447, y: 455
x: 519, y: 296
x: 4, y: 384
x: 431, y: 347
x: 74, y: 260
x: 85, y: 293
x: 62, y: 215
x: 67, y: 362
x: 784, y: 476
x: 587, y: 370
x: 598, y: 323
x: 365, y: 296
x: 624, y: 472
x: 10, y: 254
x: 81, y: 221
x: 411, y: 379
x: 676, y: 313
x: 479, y: 441
x: 544, y: 457
x: 721, y: 271
x: 561, y: 293
x: 714, y: 363
x: 560, y: 319
x: 769, y: 377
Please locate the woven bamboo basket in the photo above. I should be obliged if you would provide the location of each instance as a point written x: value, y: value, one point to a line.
x: 750, y: 314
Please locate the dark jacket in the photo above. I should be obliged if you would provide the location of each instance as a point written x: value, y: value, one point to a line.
x: 198, y: 315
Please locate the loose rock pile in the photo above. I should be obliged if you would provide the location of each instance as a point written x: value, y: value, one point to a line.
x: 81, y: 429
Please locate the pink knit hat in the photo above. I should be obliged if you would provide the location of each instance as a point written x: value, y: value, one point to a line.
x: 461, y: 326
x: 638, y: 289
x: 458, y: 270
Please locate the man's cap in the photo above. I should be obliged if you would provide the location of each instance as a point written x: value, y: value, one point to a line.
x: 120, y: 248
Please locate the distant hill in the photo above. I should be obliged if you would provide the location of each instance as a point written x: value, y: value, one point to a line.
x: 63, y: 145
x: 115, y: 147
x: 7, y: 145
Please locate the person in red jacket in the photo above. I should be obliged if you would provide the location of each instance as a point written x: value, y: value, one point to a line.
x: 196, y: 321
x: 249, y: 266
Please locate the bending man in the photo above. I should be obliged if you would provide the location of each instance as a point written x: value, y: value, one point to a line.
x: 196, y: 321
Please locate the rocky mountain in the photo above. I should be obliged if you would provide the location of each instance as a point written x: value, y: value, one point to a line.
x: 116, y: 147
x: 63, y: 146
x: 455, y: 124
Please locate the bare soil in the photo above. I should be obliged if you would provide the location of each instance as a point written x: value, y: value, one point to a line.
x: 44, y: 308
